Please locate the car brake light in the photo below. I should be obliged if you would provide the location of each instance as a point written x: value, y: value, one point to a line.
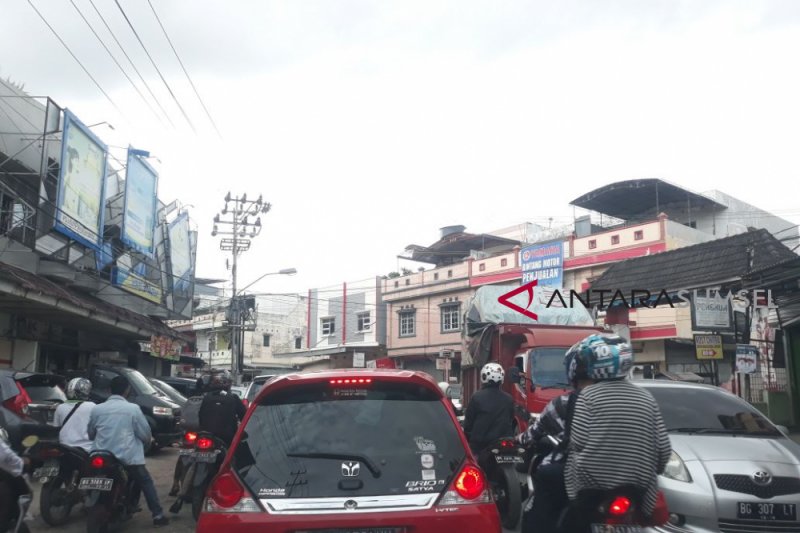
x: 227, y: 495
x: 98, y: 462
x: 469, y: 486
x: 19, y: 403
x: 204, y: 443
x: 353, y: 381
x: 190, y: 437
x: 619, y: 506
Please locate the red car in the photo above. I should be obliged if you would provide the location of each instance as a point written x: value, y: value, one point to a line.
x: 373, y: 451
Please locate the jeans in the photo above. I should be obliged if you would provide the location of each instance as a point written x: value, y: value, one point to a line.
x: 142, y: 477
x: 550, y: 498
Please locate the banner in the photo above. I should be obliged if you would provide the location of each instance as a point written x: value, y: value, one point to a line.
x: 141, y: 199
x: 746, y: 358
x: 180, y: 251
x: 165, y: 348
x: 543, y: 262
x: 135, y: 284
x: 80, y: 203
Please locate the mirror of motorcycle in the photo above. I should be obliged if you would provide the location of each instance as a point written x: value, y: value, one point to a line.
x: 30, y: 441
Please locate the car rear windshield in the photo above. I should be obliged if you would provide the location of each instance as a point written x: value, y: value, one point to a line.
x: 44, y: 393
x: 322, y: 440
x: 255, y: 387
x: 709, y: 411
x: 547, y: 366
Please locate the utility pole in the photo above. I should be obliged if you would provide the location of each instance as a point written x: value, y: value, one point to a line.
x: 237, y: 216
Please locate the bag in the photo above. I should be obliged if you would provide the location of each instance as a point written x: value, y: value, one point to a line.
x: 190, y: 414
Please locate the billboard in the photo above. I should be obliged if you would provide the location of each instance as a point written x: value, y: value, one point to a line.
x: 135, y: 284
x: 80, y: 204
x: 139, y: 211
x: 180, y: 251
x: 543, y: 262
x: 711, y: 313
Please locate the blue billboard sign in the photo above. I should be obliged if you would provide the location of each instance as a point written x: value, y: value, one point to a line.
x: 141, y: 197
x: 543, y: 262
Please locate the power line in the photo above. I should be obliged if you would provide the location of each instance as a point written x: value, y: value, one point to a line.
x: 184, y: 69
x: 154, y: 65
x: 122, y: 48
x: 114, y: 59
x: 77, y: 60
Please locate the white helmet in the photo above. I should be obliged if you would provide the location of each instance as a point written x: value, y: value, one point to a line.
x: 492, y: 373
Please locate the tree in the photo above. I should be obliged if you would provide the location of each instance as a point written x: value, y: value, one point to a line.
x: 394, y: 275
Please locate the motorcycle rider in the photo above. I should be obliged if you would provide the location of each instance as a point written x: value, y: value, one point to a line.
x: 120, y: 428
x: 221, y: 412
x: 616, y: 432
x: 490, y: 412
x: 73, y: 415
x: 548, y: 479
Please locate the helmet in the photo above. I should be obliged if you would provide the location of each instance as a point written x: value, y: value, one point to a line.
x: 221, y: 381
x: 492, y: 373
x: 601, y: 356
x: 79, y: 389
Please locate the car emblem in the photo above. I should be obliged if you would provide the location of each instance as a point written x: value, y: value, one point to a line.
x: 350, y: 504
x: 351, y: 469
x: 762, y: 478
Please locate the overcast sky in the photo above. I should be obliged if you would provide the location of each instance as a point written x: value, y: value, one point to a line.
x: 369, y: 125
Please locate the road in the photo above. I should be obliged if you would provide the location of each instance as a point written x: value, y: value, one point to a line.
x: 160, y: 466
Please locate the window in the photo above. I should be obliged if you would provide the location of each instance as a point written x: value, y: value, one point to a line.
x: 407, y: 324
x: 298, y: 343
x: 504, y: 262
x: 328, y: 326
x: 482, y: 267
x: 615, y: 239
x: 396, y: 284
x: 592, y: 244
x: 450, y: 314
x: 449, y: 273
x: 435, y: 276
x: 266, y: 340
x: 638, y: 235
x: 364, y: 323
x: 408, y: 281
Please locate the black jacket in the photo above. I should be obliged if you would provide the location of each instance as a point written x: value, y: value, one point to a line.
x: 220, y: 414
x: 489, y: 417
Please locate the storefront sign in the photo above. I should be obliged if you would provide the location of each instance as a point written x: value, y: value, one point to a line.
x: 165, y: 348
x: 710, y: 312
x: 746, y: 358
x: 708, y: 347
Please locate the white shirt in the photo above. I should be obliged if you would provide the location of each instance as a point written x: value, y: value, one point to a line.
x: 10, y: 461
x: 75, y: 432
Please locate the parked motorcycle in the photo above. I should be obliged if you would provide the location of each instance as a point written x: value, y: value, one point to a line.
x: 111, y: 495
x: 499, y: 462
x: 16, y: 494
x: 59, y: 476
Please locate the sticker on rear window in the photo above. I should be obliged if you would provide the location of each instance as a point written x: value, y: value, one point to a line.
x: 272, y: 492
x: 424, y: 485
x: 428, y: 475
x: 427, y: 460
x: 425, y: 445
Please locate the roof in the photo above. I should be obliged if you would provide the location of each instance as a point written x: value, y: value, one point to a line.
x: 692, y: 267
x: 634, y: 199
x: 453, y: 248
x: 783, y: 279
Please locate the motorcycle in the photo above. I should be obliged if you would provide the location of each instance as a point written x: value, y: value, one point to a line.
x: 59, y: 476
x: 111, y: 494
x: 605, y: 511
x: 499, y: 461
x: 17, y: 492
x: 203, y: 464
x: 184, y: 468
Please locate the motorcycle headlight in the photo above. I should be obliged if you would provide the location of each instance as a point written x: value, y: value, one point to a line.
x: 676, y: 469
x: 162, y: 411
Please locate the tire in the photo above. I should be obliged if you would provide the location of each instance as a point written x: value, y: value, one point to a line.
x: 23, y: 528
x: 47, y: 506
x: 198, y: 494
x: 97, y: 519
x: 509, y: 504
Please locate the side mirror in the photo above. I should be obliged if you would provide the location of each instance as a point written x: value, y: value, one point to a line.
x: 515, y: 375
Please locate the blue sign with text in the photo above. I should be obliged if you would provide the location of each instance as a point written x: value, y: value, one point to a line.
x: 543, y: 262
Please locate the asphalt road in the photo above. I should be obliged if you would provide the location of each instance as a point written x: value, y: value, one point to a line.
x: 160, y: 466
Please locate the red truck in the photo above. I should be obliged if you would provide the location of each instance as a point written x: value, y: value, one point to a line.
x: 536, y: 349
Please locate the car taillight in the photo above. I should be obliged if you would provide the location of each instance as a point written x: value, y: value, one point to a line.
x: 98, y: 462
x: 19, y: 403
x: 351, y: 381
x: 619, y: 506
x: 227, y: 495
x: 190, y: 437
x: 246, y: 403
x: 204, y: 443
x: 469, y: 486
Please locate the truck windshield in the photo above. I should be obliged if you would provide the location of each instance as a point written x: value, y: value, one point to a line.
x: 547, y: 366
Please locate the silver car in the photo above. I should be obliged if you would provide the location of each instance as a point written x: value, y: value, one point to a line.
x: 731, y: 470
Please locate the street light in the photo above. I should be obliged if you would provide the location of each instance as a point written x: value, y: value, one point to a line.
x: 283, y: 272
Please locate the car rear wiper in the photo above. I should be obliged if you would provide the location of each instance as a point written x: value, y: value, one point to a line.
x: 376, y: 472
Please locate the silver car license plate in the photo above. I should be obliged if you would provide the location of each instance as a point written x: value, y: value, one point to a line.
x: 96, y: 483
x: 616, y: 528
x: 766, y: 511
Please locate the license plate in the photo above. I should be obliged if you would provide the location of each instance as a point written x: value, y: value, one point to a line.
x: 615, y: 528
x: 46, y: 471
x: 186, y: 452
x: 206, y: 457
x: 96, y: 483
x: 766, y: 511
x: 504, y: 459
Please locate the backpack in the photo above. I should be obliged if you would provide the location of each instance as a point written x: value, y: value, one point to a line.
x: 190, y: 414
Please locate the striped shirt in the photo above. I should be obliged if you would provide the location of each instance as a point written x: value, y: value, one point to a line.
x: 617, y: 437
